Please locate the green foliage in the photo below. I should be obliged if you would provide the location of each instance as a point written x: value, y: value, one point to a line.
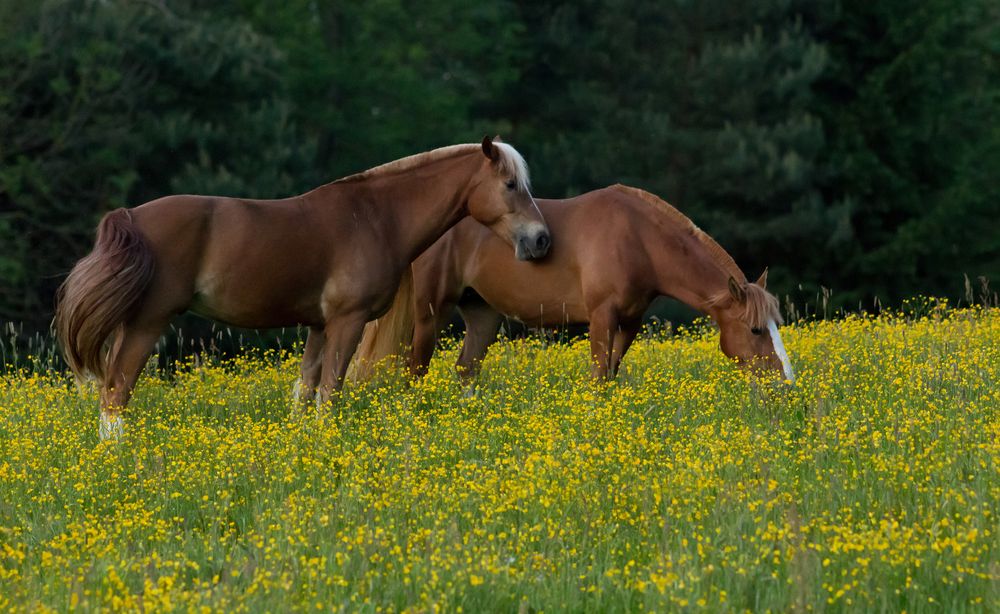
x: 381, y: 80
x: 911, y: 103
x: 107, y: 104
x: 847, y: 145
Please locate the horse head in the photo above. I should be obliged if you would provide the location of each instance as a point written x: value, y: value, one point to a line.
x: 501, y: 199
x: 748, y: 319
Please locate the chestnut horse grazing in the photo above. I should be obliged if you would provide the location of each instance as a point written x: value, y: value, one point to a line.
x: 331, y: 259
x: 619, y: 248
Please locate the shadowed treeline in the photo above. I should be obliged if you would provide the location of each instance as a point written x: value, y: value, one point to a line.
x: 847, y: 145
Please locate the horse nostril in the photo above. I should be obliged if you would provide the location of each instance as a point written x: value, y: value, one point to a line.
x: 542, y: 242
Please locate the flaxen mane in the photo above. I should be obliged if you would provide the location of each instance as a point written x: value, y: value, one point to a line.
x: 761, y: 305
x: 510, y: 162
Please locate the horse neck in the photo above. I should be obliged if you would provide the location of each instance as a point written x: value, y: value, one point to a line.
x: 416, y: 206
x: 687, y: 271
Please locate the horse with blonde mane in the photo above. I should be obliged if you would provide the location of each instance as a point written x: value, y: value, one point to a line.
x: 330, y: 259
x: 619, y: 248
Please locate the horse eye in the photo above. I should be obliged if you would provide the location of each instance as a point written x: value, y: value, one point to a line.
x: 757, y: 331
x: 511, y: 184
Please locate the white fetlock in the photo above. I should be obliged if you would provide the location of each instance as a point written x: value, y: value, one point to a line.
x: 112, y: 426
x: 297, y: 391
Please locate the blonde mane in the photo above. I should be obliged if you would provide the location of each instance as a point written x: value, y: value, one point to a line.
x: 510, y: 163
x: 761, y: 305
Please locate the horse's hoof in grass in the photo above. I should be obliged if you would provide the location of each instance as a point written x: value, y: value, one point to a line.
x: 112, y: 426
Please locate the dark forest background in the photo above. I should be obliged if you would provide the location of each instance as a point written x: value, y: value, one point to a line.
x: 849, y: 145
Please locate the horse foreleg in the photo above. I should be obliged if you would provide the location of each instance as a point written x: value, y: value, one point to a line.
x: 624, y: 337
x: 342, y: 336
x: 603, y: 328
x: 132, y: 350
x: 312, y: 364
x: 481, y: 325
x: 427, y: 323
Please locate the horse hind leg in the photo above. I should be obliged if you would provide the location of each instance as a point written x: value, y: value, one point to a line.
x: 131, y: 350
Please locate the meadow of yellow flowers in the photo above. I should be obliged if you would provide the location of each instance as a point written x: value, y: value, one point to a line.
x: 872, y: 484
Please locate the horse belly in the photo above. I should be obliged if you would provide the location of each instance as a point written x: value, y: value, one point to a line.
x: 536, y: 302
x: 257, y: 311
x: 242, y: 296
x: 549, y: 313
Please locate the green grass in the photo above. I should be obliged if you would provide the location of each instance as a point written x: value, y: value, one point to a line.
x: 872, y: 485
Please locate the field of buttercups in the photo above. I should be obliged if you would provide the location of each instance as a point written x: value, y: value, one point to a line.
x: 872, y: 484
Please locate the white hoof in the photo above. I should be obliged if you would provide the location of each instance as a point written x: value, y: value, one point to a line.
x: 112, y: 427
x: 297, y: 394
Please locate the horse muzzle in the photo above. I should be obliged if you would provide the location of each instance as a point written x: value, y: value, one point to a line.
x: 533, y: 245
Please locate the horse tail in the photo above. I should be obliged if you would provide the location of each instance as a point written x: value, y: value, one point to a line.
x: 390, y: 335
x: 102, y: 292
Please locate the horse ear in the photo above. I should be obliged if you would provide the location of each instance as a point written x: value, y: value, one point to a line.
x: 497, y: 139
x: 737, y: 290
x: 762, y: 280
x: 489, y: 150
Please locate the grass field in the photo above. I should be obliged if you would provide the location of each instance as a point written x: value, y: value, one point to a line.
x: 873, y: 484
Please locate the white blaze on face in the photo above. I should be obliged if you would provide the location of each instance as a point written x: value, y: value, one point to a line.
x: 779, y: 349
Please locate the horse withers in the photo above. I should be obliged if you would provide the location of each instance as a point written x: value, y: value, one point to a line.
x: 330, y: 259
x: 619, y: 248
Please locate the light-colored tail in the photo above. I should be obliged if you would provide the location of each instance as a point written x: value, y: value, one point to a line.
x: 390, y: 335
